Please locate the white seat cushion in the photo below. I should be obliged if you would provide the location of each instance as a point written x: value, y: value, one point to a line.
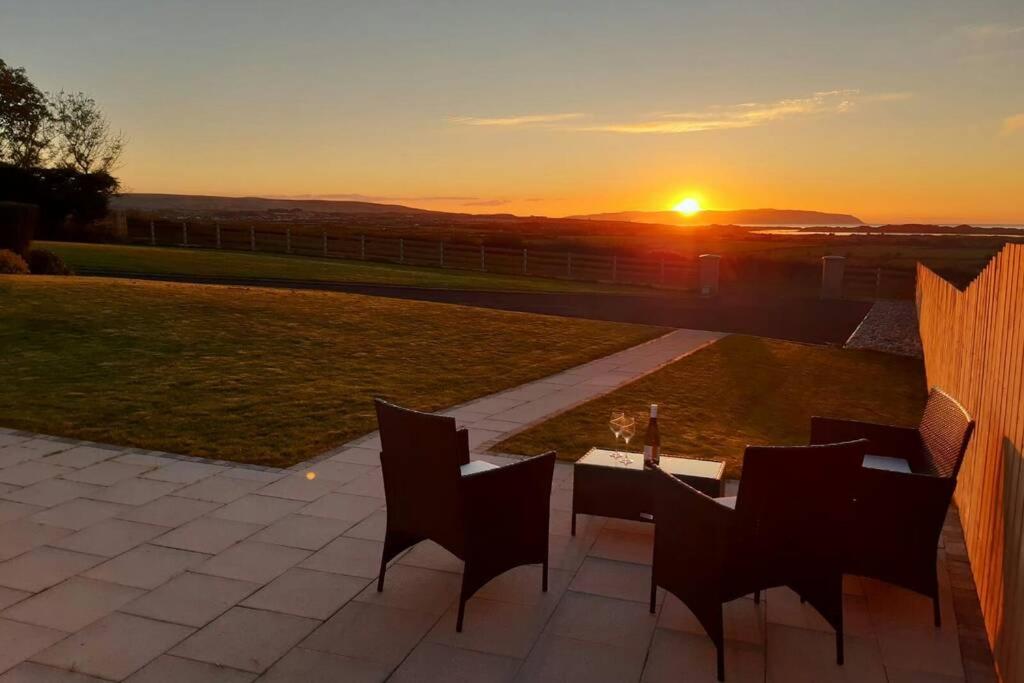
x: 474, y: 466
x: 881, y: 462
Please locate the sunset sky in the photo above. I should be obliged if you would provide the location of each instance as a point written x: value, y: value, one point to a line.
x: 892, y: 110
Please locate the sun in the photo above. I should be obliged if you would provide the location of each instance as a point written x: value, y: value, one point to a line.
x: 687, y: 207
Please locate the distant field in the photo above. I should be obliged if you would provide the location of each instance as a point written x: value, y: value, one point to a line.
x: 209, y: 263
x: 738, y: 391
x: 257, y: 375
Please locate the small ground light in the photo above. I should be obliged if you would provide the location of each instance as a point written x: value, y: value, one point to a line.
x: 311, y: 475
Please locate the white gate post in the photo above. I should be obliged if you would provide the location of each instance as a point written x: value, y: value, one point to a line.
x: 709, y: 272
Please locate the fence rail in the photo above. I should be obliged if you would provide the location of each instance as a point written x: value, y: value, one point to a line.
x: 974, y: 348
x: 676, y: 273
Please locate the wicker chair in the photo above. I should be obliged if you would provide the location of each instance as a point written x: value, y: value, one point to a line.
x: 492, y: 518
x: 786, y: 527
x: 900, y: 513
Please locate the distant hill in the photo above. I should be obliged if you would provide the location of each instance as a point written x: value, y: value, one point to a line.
x: 737, y: 217
x: 209, y: 204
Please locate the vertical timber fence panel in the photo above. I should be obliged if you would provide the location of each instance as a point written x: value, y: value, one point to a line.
x: 974, y: 348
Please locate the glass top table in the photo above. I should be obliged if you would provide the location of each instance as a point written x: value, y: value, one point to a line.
x: 604, y: 485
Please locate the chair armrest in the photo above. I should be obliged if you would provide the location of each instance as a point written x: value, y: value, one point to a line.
x: 509, y: 505
x: 463, y: 443
x: 886, y: 440
x: 902, y: 498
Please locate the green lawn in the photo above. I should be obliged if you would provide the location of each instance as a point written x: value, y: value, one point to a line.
x: 211, y: 263
x: 257, y: 375
x: 738, y: 391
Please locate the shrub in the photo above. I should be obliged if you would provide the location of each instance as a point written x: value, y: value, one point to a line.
x: 11, y: 263
x: 17, y: 223
x: 43, y: 262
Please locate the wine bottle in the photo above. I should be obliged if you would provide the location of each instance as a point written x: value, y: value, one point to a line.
x: 652, y: 441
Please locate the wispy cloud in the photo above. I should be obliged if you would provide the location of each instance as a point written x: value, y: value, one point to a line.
x: 985, y: 41
x: 717, y: 117
x: 355, y: 197
x: 509, y: 121
x: 729, y: 117
x: 487, y: 202
x: 1013, y: 124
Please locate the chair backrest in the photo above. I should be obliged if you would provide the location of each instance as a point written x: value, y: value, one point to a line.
x: 420, y: 458
x: 795, y: 505
x: 945, y: 431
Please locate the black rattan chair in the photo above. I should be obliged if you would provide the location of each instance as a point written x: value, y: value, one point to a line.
x: 900, y: 513
x: 492, y: 518
x: 787, y: 526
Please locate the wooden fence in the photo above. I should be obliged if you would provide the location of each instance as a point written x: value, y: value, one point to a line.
x: 974, y: 348
x: 676, y: 273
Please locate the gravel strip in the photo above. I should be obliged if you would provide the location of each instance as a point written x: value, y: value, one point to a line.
x: 890, y: 326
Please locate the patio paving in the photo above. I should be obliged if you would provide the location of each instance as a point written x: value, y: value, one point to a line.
x: 120, y: 564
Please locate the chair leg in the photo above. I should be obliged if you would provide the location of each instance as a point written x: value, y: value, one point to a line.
x: 544, y: 577
x: 573, y: 524
x: 937, y: 610
x: 380, y: 577
x: 840, y: 653
x: 462, y: 613
x: 654, y: 593
x: 720, y: 653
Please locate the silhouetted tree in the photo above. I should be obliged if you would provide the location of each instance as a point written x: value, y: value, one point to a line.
x: 83, y: 140
x: 56, y: 153
x: 25, y: 130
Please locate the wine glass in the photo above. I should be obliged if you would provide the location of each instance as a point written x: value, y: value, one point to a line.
x: 615, y: 424
x: 628, y: 431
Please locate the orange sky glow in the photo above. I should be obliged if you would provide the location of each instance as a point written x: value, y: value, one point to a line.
x: 541, y: 108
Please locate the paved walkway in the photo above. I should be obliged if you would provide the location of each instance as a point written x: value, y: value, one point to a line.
x: 120, y: 564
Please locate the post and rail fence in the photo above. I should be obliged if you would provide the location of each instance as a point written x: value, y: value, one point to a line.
x: 701, y: 274
x: 973, y: 342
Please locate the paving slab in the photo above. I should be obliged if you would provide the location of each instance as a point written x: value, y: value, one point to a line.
x: 191, y: 599
x: 147, y: 566
x: 246, y: 639
x: 114, y: 647
x: 169, y: 669
x: 306, y: 593
x: 72, y: 605
x: 42, y: 567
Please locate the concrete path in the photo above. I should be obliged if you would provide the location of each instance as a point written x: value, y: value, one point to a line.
x: 495, y: 417
x: 120, y: 564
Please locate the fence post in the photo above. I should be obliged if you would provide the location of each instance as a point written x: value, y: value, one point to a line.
x: 216, y: 229
x: 709, y: 270
x: 832, y: 268
x: 287, y: 240
x: 152, y: 233
x: 615, y: 268
x: 325, y: 242
x: 401, y: 250
x: 442, y: 254
x: 568, y: 265
x: 524, y: 262
x: 483, y: 262
x: 252, y: 238
x: 362, y: 247
x: 184, y: 233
